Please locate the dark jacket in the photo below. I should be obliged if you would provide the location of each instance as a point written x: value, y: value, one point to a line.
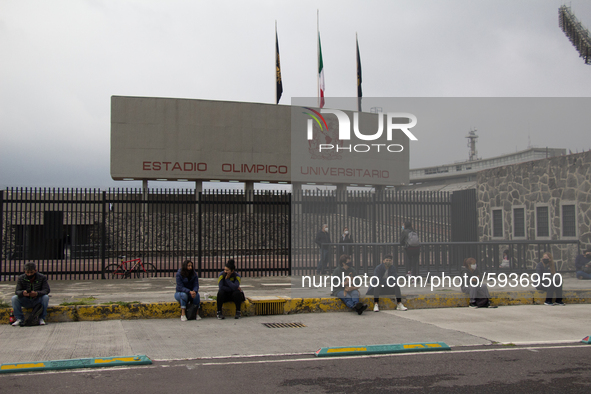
x: 541, y: 269
x: 322, y: 237
x: 228, y: 285
x: 186, y: 285
x: 347, y: 239
x: 379, y: 272
x: 39, y: 284
x: 580, y: 262
x: 339, y: 272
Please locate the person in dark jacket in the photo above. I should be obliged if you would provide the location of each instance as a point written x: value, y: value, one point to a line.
x: 547, y: 266
x: 476, y: 288
x: 345, y: 239
x: 229, y: 289
x: 322, y: 237
x: 583, y: 265
x: 383, y: 271
x: 348, y: 293
x: 411, y: 252
x: 187, y: 288
x: 31, y: 289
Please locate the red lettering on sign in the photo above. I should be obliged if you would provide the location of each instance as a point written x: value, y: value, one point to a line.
x: 147, y: 163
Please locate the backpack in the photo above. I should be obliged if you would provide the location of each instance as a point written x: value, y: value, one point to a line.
x: 33, y: 318
x: 412, y: 240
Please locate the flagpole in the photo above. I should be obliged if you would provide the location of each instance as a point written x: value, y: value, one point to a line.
x: 357, y: 76
x: 275, y: 73
x: 318, y: 55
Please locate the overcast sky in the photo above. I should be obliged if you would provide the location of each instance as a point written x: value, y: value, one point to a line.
x: 63, y: 60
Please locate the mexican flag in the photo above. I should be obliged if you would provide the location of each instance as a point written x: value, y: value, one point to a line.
x: 320, y: 73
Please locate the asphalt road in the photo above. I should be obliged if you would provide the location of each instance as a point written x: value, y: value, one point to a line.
x: 481, y: 369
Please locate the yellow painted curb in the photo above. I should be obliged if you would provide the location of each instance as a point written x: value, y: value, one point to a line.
x: 166, y: 310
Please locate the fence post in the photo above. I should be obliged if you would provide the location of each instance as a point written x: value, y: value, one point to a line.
x: 289, y: 234
x: 103, y: 233
x: 1, y: 231
x: 199, y: 238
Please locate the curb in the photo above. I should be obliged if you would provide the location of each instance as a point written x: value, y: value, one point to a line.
x: 75, y: 363
x: 381, y: 349
x: 258, y: 306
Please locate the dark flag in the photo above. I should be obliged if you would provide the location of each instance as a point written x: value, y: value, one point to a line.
x: 279, y: 87
x: 359, y: 92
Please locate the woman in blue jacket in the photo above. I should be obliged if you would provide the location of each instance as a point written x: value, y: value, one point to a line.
x: 187, y: 288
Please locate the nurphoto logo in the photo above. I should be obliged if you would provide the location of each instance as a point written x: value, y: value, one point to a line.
x: 393, y: 120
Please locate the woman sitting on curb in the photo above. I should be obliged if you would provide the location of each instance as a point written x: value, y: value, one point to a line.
x: 229, y: 289
x: 346, y: 291
x: 475, y: 286
x: 187, y: 288
x: 547, y: 266
x: 383, y: 271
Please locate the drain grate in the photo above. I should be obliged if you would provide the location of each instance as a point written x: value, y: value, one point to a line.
x: 284, y: 325
x: 269, y: 307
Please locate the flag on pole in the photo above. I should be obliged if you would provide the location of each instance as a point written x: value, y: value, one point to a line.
x: 279, y: 86
x: 359, y: 92
x: 320, y: 73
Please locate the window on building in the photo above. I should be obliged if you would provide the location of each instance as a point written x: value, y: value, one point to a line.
x: 569, y: 225
x: 497, y: 218
x: 542, y: 222
x: 519, y: 222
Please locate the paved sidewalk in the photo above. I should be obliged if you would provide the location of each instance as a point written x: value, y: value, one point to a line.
x: 165, y: 339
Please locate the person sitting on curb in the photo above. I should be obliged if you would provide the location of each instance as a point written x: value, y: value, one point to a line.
x: 187, y: 288
x: 547, y: 266
x: 476, y: 288
x: 31, y: 289
x: 583, y: 265
x: 382, y: 272
x: 346, y: 291
x: 229, y: 289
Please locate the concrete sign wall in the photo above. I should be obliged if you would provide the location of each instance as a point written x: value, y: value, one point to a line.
x: 181, y: 139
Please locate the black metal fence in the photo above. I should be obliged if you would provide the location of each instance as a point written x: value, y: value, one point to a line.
x: 74, y: 234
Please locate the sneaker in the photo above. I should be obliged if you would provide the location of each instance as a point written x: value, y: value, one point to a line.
x: 183, y: 318
x: 17, y: 323
x: 361, y: 309
x: 220, y: 316
x: 548, y: 304
x: 401, y: 307
x: 198, y: 317
x: 376, y: 308
x: 473, y: 305
x: 41, y: 322
x: 560, y: 303
x: 238, y: 314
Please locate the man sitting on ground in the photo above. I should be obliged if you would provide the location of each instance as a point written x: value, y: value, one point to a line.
x: 31, y: 289
x: 346, y: 291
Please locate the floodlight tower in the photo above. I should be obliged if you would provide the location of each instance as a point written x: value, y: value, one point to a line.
x: 472, y: 137
x: 576, y: 33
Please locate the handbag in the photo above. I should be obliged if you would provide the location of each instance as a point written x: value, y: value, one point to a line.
x: 191, y: 311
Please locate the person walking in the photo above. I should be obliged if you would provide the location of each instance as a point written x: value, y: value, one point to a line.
x: 322, y: 238
x: 410, y: 242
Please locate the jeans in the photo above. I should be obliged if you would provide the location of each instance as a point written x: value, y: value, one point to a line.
x: 412, y: 260
x: 351, y: 299
x: 583, y: 274
x: 551, y: 291
x: 185, y: 298
x: 18, y: 303
x: 323, y: 262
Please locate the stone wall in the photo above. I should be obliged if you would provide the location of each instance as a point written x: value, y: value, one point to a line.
x: 553, y: 181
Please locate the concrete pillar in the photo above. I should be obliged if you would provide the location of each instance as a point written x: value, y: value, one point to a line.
x: 296, y: 198
x: 249, y: 194
x: 342, y: 202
